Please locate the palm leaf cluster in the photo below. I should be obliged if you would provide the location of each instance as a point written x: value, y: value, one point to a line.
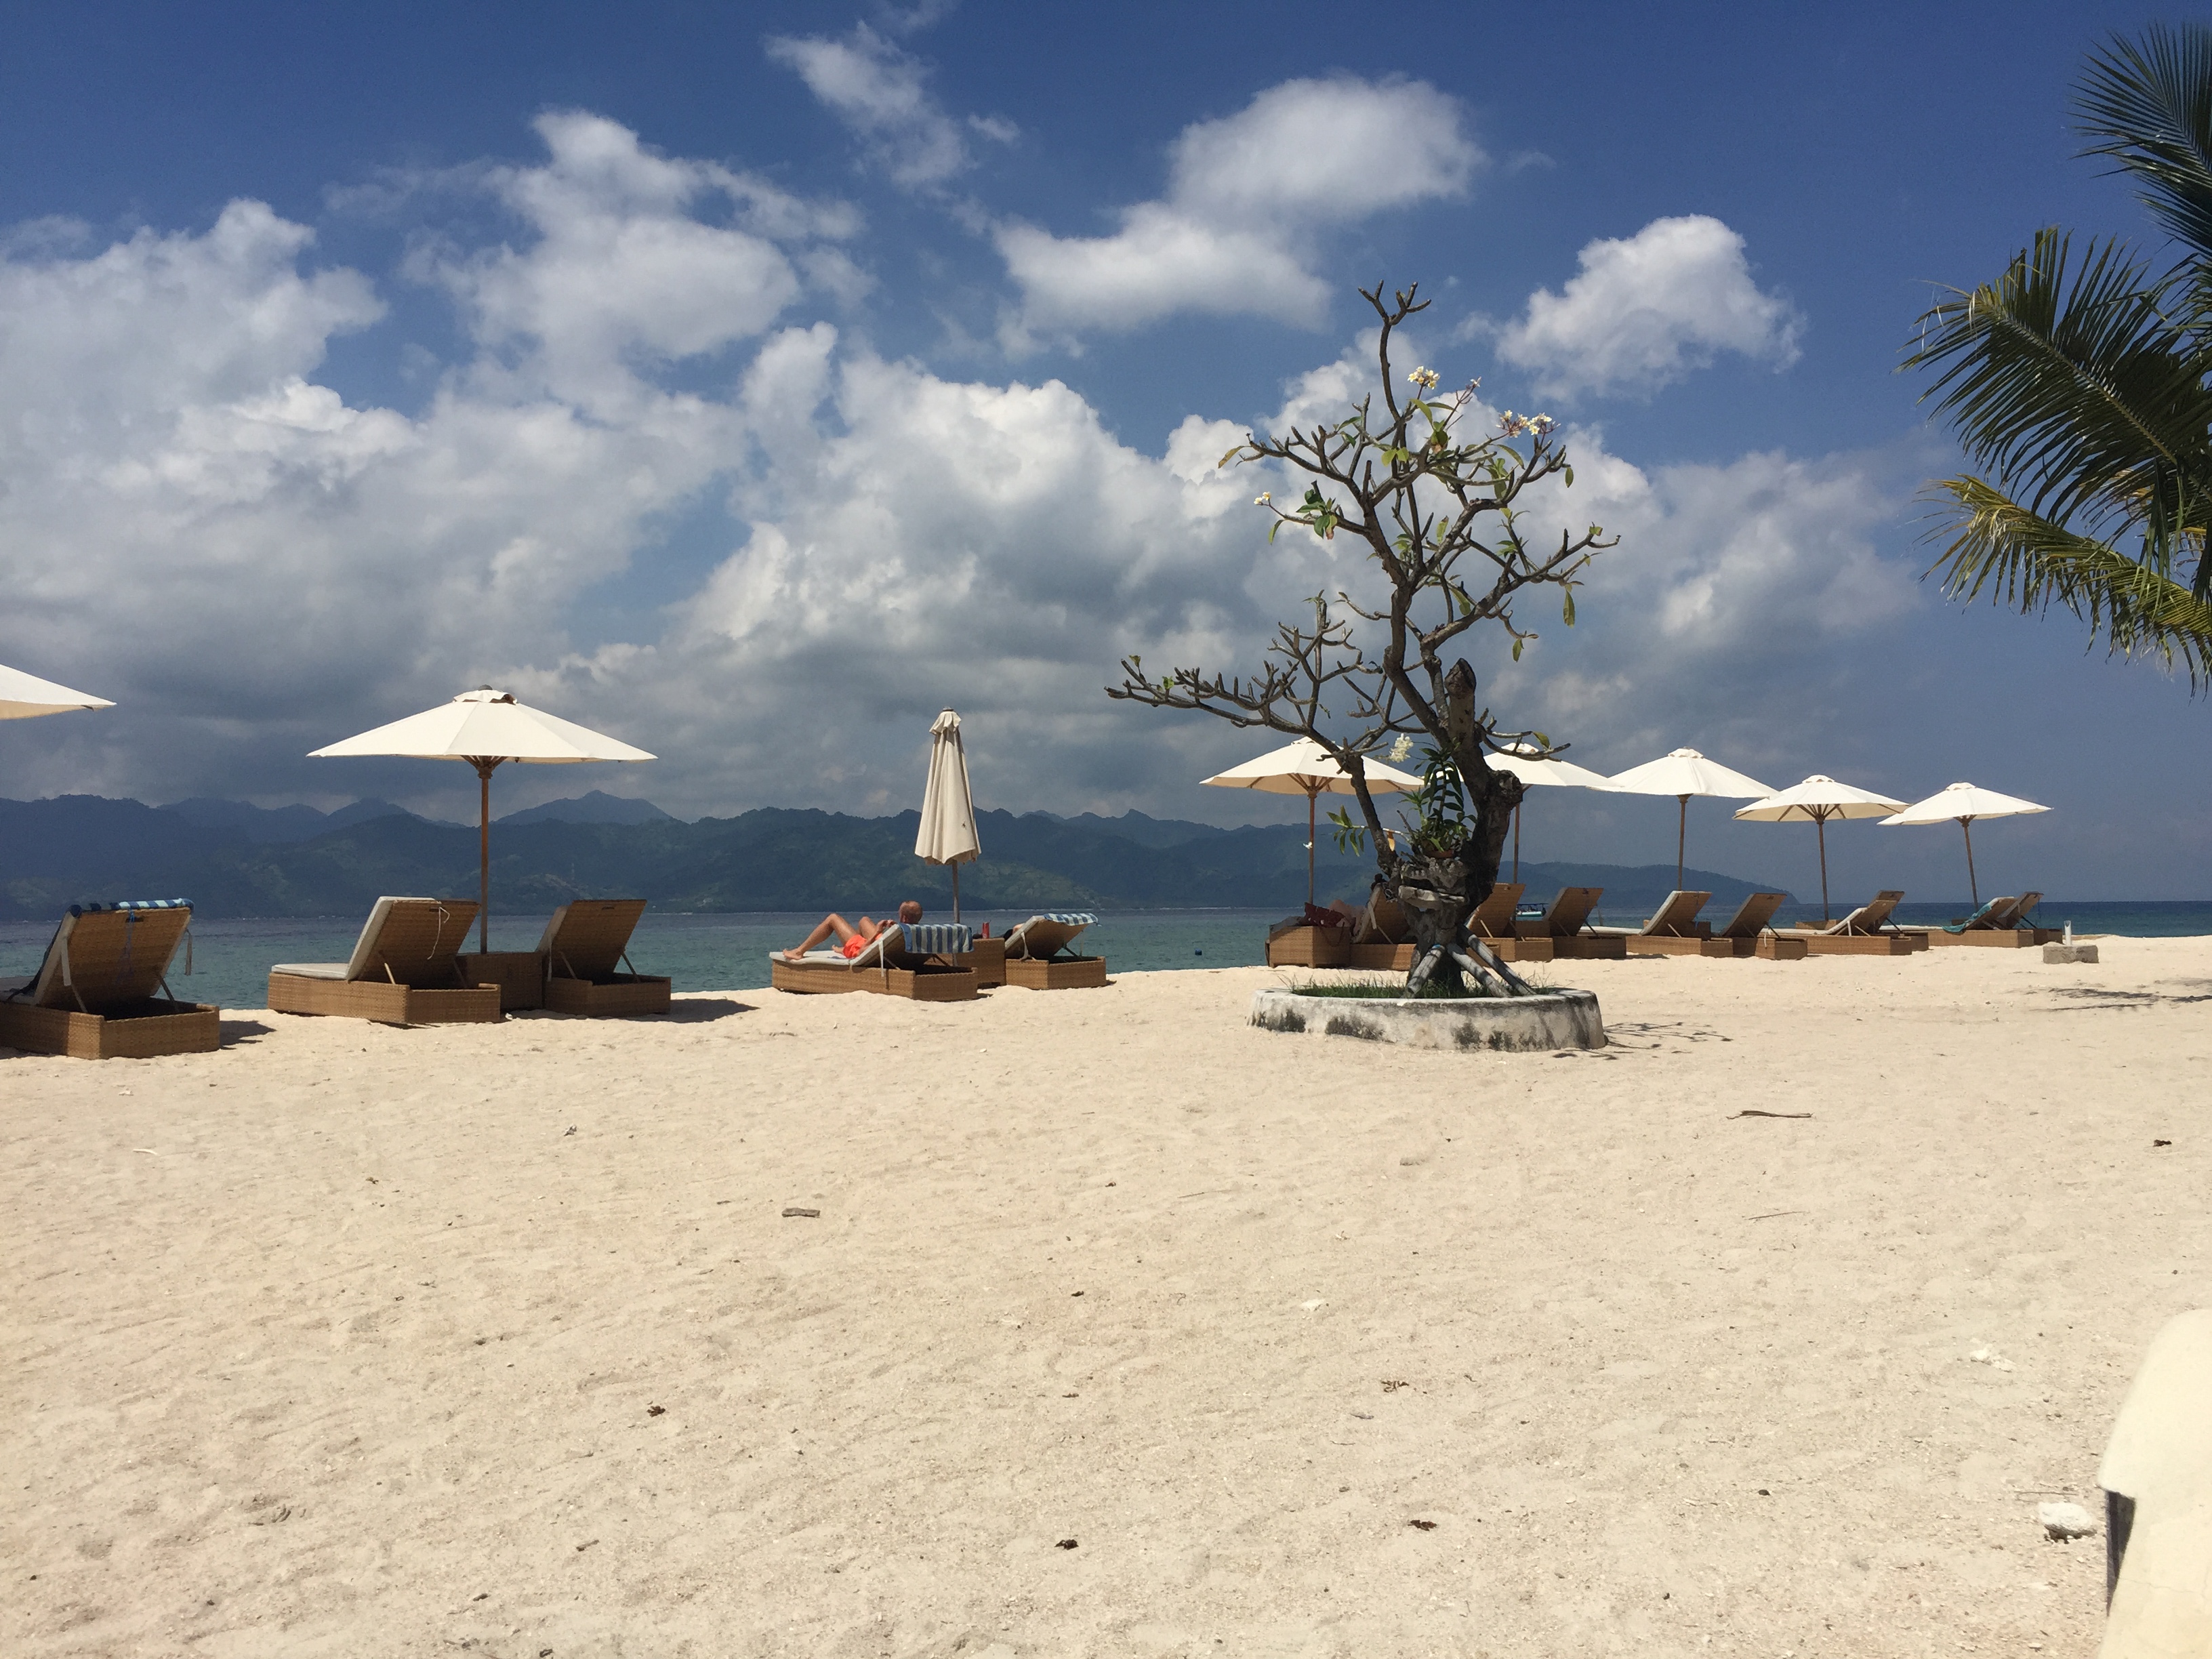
x: 2079, y: 383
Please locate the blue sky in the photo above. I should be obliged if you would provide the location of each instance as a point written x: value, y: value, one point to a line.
x: 749, y: 382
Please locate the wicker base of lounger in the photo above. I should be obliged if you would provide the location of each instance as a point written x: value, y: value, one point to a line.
x: 157, y: 1027
x: 392, y: 1005
x: 619, y: 996
x: 1769, y: 948
x: 1998, y: 938
x: 1399, y: 958
x: 1311, y: 947
x: 1517, y: 950
x: 916, y: 985
x: 1587, y: 947
x: 988, y: 961
x: 1670, y: 945
x: 1381, y: 958
x: 1861, y: 944
x: 1056, y: 973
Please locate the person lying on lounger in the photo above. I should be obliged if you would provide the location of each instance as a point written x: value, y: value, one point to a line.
x: 852, y: 940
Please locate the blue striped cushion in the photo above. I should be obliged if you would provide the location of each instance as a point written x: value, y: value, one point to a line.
x: 131, y: 904
x: 937, y: 938
x: 1072, y: 918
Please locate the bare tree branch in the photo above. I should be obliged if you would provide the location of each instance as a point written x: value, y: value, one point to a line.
x: 1432, y: 504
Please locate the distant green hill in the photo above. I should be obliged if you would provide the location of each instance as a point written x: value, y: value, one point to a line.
x: 83, y: 848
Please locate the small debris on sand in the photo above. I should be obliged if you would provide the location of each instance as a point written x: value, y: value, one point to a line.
x: 2065, y: 1521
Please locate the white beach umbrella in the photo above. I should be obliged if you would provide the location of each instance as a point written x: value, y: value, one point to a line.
x: 485, y: 727
x: 1304, y: 767
x: 1682, y: 773
x: 947, y: 835
x: 25, y: 696
x: 1536, y: 767
x: 1819, y: 799
x: 1965, y: 802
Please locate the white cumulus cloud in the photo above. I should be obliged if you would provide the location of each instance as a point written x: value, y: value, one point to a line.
x: 1246, y: 196
x: 624, y: 270
x: 1649, y: 308
x: 881, y: 92
x: 195, y: 523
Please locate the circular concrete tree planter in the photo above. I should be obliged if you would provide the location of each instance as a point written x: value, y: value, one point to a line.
x: 1553, y: 1020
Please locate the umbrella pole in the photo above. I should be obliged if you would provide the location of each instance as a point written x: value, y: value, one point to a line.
x: 1821, y: 824
x: 955, y: 892
x: 1681, y: 838
x: 1973, y: 886
x: 483, y: 855
x: 1516, y: 841
x: 1312, y: 795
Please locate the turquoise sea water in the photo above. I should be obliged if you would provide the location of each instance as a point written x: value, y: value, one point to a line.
x: 232, y: 958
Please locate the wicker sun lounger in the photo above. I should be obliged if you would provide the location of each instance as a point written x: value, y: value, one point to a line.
x: 584, y: 943
x: 1301, y: 941
x: 2002, y: 924
x: 1866, y: 932
x: 402, y: 971
x: 1382, y: 938
x: 1037, y: 956
x: 1674, y: 929
x: 94, y: 996
x: 1493, y: 924
x: 907, y: 959
x: 1749, y: 932
x: 1563, y: 925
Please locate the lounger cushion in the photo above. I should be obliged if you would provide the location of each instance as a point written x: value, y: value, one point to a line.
x: 314, y: 969
x: 936, y: 937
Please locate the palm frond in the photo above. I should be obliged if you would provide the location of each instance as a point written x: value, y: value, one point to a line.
x: 2072, y: 383
x: 2147, y: 105
x: 2026, y: 561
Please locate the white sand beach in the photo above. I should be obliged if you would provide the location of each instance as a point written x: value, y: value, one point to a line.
x: 358, y: 1340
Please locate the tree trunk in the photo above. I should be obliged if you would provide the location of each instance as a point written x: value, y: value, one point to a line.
x: 1439, y: 895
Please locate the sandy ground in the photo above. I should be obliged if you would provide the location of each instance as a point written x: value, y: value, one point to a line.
x: 1123, y: 1328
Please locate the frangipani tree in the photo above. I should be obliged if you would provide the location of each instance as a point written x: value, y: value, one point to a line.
x: 1435, y: 509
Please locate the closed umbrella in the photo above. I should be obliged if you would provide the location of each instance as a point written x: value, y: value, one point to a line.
x: 485, y: 727
x: 1819, y: 799
x: 1536, y: 767
x: 25, y: 696
x: 947, y: 835
x: 1683, y: 774
x: 1304, y: 767
x: 1965, y: 802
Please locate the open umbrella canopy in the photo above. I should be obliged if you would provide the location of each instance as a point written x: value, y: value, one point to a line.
x: 1684, y: 773
x: 485, y: 727
x: 26, y: 697
x: 1965, y: 802
x: 947, y: 835
x: 1536, y: 767
x: 488, y: 725
x: 1304, y: 767
x: 1816, y: 800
